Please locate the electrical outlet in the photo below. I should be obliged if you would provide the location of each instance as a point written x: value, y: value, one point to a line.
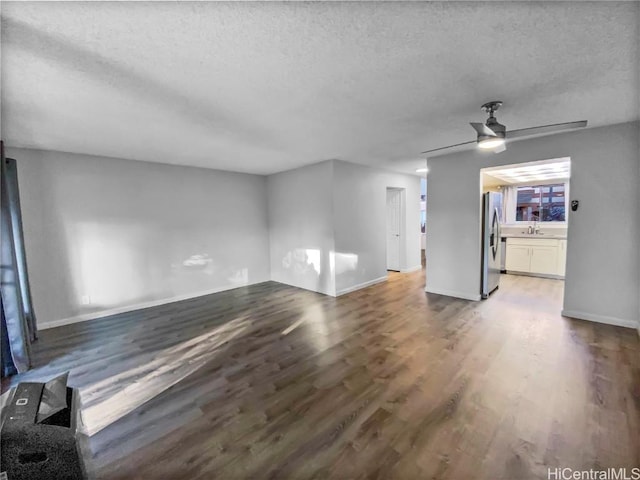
x: 86, y: 300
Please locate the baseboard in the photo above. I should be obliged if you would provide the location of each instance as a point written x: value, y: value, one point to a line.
x: 537, y: 275
x: 618, y: 322
x: 136, y: 306
x: 284, y: 282
x: 451, y: 293
x: 361, y: 285
x: 411, y: 269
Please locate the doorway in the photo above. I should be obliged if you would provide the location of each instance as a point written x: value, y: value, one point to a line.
x: 535, y: 214
x: 394, y: 228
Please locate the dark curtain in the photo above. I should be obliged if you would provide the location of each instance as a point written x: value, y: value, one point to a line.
x: 18, y: 319
x: 8, y: 367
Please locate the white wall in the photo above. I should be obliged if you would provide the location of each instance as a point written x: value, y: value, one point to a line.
x: 106, y: 235
x: 638, y: 234
x: 121, y: 234
x: 328, y: 225
x: 603, y: 265
x: 301, y: 227
x: 359, y: 206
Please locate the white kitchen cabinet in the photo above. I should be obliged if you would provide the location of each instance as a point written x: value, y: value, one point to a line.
x: 544, y: 259
x: 540, y: 256
x: 518, y: 258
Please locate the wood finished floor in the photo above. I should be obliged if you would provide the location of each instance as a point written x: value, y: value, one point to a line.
x: 270, y: 381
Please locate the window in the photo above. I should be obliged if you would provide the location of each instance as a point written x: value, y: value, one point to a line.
x: 541, y: 203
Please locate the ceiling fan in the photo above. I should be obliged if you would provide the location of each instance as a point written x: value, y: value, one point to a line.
x: 493, y: 135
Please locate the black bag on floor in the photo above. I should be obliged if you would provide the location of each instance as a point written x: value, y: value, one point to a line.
x: 39, y: 434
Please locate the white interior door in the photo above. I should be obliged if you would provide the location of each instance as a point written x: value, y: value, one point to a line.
x: 393, y: 229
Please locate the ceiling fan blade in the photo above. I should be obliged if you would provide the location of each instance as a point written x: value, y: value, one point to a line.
x: 448, y: 146
x: 542, y: 129
x: 500, y: 148
x: 482, y: 129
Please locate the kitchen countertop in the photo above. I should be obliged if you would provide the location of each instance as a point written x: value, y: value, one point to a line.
x: 533, y: 235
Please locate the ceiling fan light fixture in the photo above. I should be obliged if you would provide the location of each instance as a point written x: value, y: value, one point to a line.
x: 489, y: 143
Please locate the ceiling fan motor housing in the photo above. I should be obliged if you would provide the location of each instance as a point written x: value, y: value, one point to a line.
x: 496, y: 127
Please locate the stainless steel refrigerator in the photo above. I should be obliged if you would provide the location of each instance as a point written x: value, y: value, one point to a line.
x: 491, y: 252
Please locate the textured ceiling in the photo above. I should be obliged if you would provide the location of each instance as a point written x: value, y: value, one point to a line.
x: 265, y: 87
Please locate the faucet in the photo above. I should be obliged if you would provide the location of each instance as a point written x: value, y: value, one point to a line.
x: 534, y: 229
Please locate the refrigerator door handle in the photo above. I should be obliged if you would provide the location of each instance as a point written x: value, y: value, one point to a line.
x: 495, y: 230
